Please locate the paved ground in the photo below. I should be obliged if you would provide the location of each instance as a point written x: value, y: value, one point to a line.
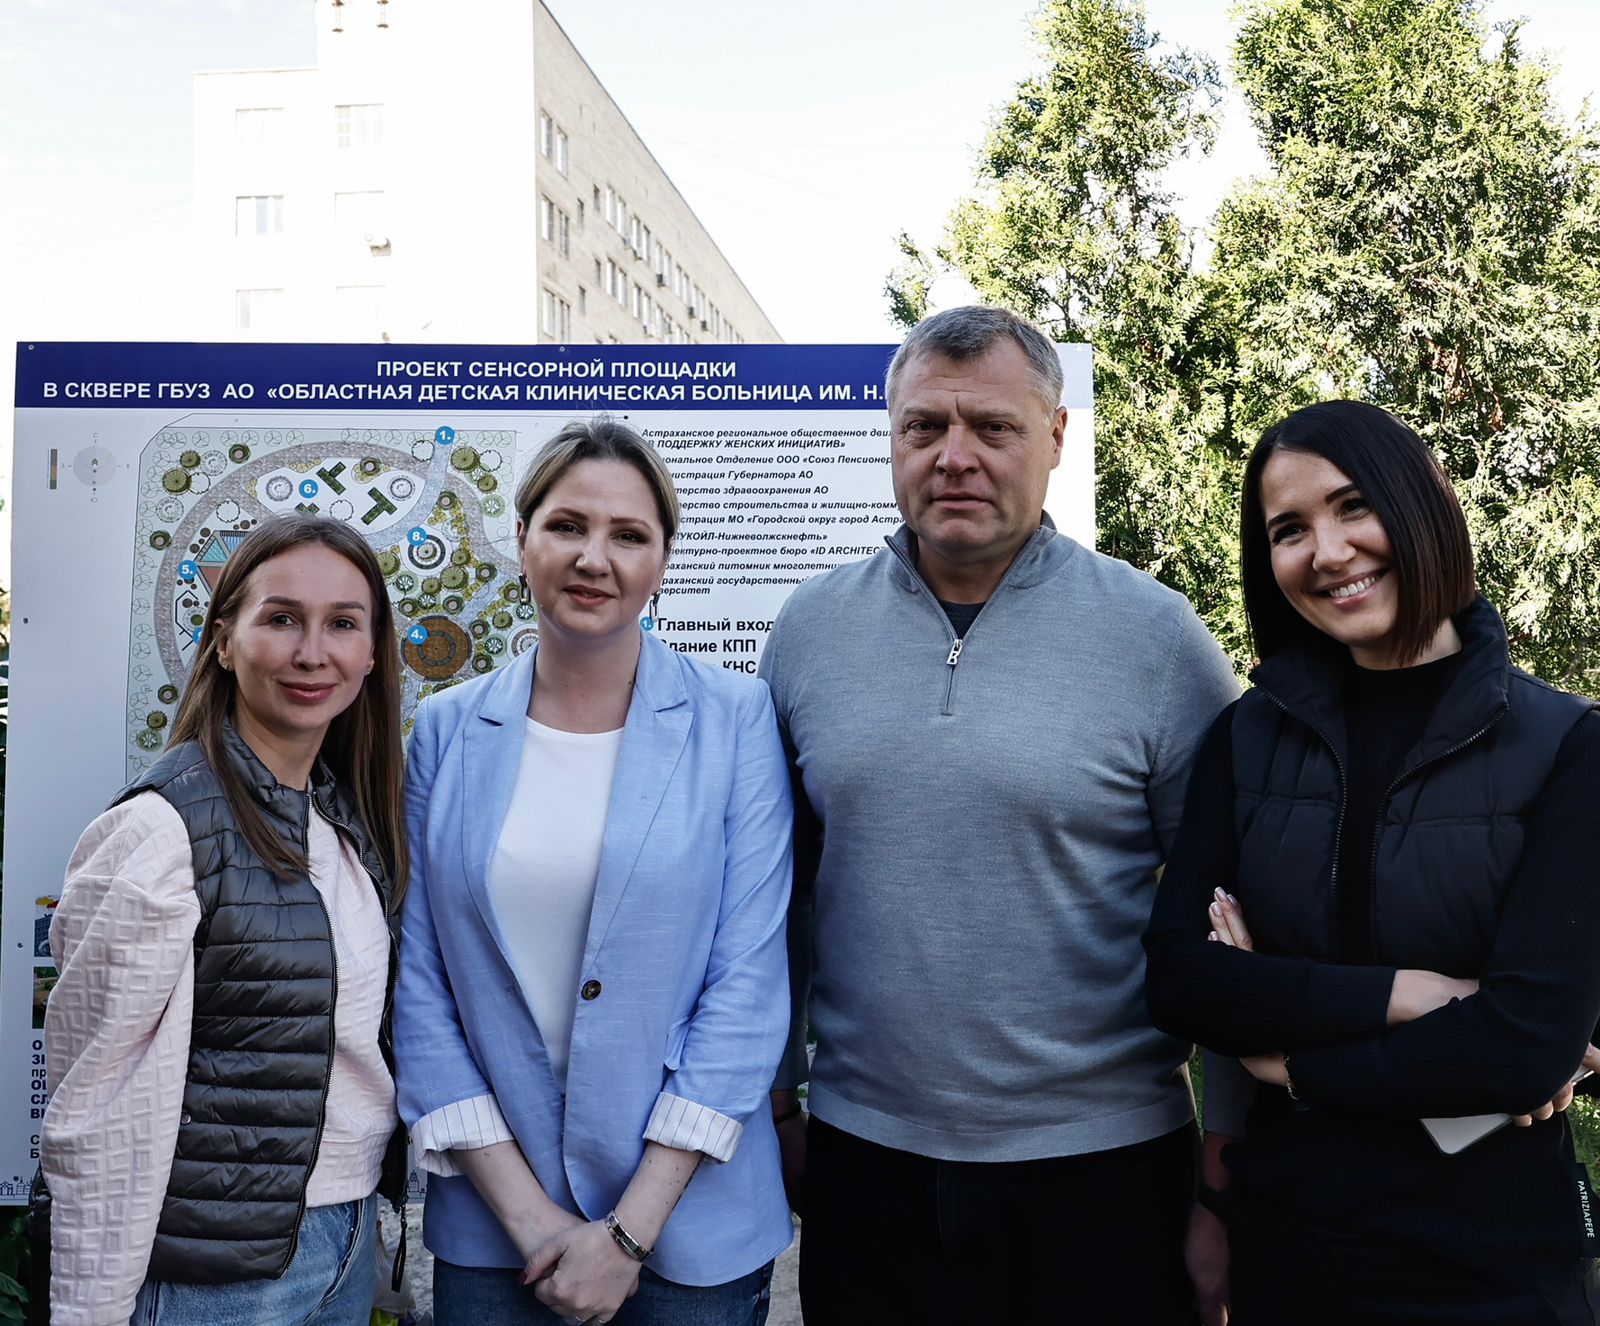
x: 785, y: 1296
x: 785, y: 1290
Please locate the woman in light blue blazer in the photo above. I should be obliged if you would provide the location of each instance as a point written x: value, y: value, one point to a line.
x: 593, y: 993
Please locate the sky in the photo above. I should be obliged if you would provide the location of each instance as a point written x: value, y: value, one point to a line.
x: 804, y: 136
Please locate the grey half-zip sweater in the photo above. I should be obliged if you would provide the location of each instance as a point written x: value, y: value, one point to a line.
x: 993, y: 814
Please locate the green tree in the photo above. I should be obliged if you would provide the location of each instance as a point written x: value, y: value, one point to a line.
x: 1070, y: 226
x: 1429, y: 240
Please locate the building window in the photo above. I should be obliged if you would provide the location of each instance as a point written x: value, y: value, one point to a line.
x: 256, y: 128
x: 553, y: 142
x: 359, y: 216
x: 555, y: 226
x: 583, y: 300
x: 359, y: 310
x: 258, y: 214
x: 359, y: 124
x: 580, y: 214
x: 258, y: 310
x: 555, y: 315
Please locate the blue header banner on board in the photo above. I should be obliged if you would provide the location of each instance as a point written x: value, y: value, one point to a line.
x: 141, y: 375
x: 239, y: 375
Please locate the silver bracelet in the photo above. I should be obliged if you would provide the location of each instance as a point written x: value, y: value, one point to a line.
x: 625, y: 1240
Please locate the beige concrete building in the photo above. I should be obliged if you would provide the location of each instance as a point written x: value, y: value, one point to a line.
x: 446, y: 173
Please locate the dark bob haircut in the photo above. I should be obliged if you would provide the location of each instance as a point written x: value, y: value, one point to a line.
x: 1409, y: 494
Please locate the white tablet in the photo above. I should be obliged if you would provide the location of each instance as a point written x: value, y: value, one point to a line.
x: 1453, y: 1135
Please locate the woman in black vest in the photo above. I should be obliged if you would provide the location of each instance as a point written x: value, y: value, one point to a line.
x: 1408, y: 823
x: 219, y: 1039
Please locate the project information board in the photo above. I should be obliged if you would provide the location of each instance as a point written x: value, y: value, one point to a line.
x: 139, y: 468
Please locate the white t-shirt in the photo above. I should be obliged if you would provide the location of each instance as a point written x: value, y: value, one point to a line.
x: 542, y: 874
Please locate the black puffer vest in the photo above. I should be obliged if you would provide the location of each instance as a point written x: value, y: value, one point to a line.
x: 1451, y: 823
x: 261, y: 1052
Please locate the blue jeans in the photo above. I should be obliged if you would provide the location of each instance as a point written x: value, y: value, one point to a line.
x: 480, y: 1295
x: 330, y: 1282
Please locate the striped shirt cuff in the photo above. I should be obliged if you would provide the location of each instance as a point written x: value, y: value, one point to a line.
x: 685, y: 1126
x: 462, y: 1124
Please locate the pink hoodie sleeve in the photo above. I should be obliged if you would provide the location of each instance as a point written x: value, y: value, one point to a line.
x: 117, y: 1041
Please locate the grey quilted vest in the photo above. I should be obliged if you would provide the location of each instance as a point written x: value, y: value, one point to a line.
x: 261, y: 1052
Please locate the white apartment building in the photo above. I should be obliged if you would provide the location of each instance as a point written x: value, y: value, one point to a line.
x: 446, y: 173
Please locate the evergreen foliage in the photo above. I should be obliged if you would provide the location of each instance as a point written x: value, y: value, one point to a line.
x: 1427, y: 238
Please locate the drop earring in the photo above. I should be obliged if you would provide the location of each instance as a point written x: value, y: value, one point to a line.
x: 648, y: 621
x: 523, y: 581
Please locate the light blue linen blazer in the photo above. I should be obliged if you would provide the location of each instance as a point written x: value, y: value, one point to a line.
x: 686, y: 938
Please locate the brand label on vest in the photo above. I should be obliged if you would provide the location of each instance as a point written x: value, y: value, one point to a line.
x: 1587, y: 1209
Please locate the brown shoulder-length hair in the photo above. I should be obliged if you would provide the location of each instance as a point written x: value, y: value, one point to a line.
x: 1431, y: 553
x: 362, y: 745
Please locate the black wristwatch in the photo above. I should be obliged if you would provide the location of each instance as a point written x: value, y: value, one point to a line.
x: 1215, y: 1200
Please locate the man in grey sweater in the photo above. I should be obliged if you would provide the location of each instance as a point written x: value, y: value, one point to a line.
x: 991, y: 728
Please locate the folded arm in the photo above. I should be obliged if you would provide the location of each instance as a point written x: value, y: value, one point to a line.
x: 1514, y: 1044
x: 1235, y: 1002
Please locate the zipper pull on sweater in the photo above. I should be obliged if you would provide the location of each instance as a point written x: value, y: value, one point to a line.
x: 955, y: 653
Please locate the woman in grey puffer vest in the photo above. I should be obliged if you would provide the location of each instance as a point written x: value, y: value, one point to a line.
x: 223, y: 1114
